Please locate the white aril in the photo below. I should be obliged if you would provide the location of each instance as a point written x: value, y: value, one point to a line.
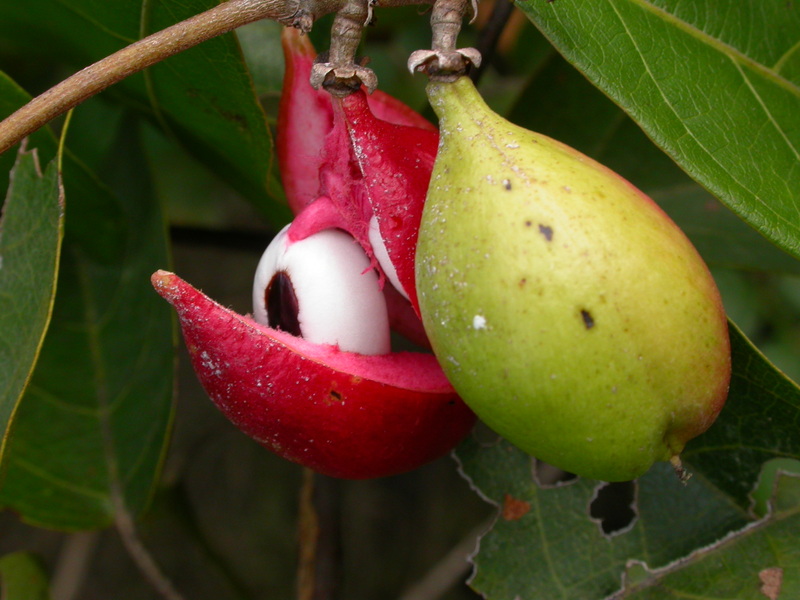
x: 337, y: 292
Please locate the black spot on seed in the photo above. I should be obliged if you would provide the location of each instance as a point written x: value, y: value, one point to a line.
x: 588, y: 319
x: 546, y: 231
x: 282, y: 307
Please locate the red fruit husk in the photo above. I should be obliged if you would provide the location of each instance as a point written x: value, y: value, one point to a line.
x: 305, y: 116
x: 342, y: 414
x: 372, y: 168
x: 395, y: 162
x: 366, y: 155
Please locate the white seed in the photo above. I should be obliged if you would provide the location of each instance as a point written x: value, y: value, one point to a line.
x: 338, y: 295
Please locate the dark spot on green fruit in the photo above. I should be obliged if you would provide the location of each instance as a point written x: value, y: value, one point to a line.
x: 614, y: 506
x: 528, y: 223
x: 588, y: 319
x: 507, y: 184
x: 522, y: 282
x: 546, y: 231
x: 282, y: 307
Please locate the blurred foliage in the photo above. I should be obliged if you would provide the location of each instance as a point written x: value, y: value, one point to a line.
x: 696, y: 103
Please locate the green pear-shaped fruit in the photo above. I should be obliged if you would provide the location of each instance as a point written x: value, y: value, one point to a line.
x: 567, y: 310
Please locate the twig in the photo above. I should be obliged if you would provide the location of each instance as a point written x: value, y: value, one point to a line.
x: 320, y: 538
x: 142, y: 557
x: 450, y: 570
x: 141, y: 54
x: 223, y: 18
x: 490, y: 35
x: 72, y: 565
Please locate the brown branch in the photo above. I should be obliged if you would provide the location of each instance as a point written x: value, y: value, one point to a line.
x: 451, y: 570
x: 319, y: 568
x: 141, y: 54
x: 140, y: 554
x: 490, y: 35
x: 72, y: 565
x: 146, y: 52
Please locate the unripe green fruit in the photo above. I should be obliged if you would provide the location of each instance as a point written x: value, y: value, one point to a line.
x: 568, y: 311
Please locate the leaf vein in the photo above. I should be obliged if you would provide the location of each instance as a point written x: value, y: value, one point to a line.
x: 96, y: 23
x: 683, y: 123
x: 781, y: 62
x: 717, y: 44
x: 60, y: 483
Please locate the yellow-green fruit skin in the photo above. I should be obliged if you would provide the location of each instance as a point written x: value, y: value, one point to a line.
x: 568, y: 311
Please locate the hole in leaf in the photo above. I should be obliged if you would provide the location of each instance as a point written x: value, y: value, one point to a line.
x: 614, y: 507
x: 548, y: 476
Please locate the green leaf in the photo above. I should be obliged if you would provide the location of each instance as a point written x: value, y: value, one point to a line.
x: 31, y: 230
x: 756, y: 563
x: 768, y: 482
x: 759, y: 422
x: 261, y: 47
x: 545, y: 544
x: 204, y: 96
x: 12, y: 96
x: 717, y: 86
x: 558, y: 101
x: 534, y: 554
x: 22, y: 578
x: 211, y: 104
x: 90, y: 432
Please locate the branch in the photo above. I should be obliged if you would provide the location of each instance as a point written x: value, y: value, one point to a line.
x: 73, y: 562
x: 146, y: 52
x: 451, y: 570
x: 140, y: 555
x: 141, y: 54
x: 319, y: 569
x: 490, y: 35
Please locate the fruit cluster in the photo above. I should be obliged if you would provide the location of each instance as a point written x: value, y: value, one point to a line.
x: 562, y: 304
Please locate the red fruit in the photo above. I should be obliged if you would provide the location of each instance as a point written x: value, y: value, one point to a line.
x: 342, y: 414
x: 365, y: 161
x: 305, y: 117
x: 353, y: 414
